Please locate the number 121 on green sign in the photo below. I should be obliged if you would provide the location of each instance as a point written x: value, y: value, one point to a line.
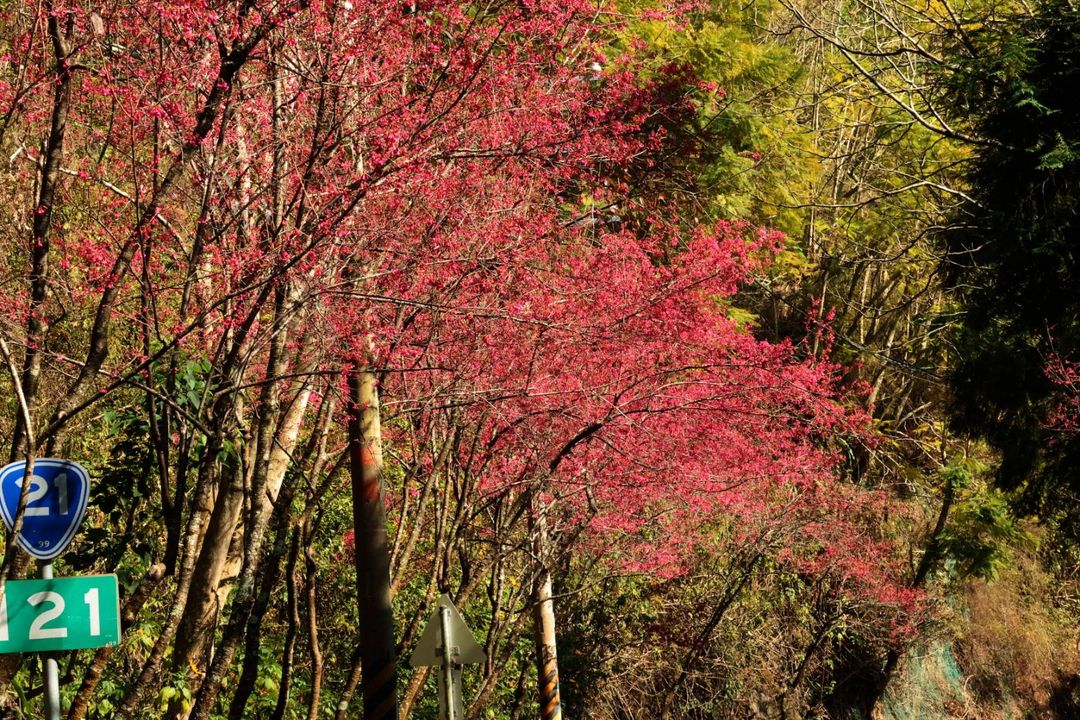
x: 66, y: 613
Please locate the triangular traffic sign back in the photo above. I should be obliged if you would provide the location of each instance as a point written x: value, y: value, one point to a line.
x: 463, y: 646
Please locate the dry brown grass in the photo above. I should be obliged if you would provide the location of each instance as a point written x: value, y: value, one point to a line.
x: 1014, y: 646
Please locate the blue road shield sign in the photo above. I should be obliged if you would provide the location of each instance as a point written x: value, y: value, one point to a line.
x: 55, y: 503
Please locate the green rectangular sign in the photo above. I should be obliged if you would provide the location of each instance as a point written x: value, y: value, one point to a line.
x: 68, y: 613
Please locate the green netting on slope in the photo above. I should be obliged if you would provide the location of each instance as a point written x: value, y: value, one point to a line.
x: 930, y: 685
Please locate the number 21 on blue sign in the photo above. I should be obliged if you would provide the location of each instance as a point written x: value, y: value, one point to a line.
x: 55, y: 503
x: 39, y: 488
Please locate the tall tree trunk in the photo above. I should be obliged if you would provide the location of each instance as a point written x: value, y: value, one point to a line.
x: 15, y: 560
x: 378, y: 656
x: 291, y: 631
x: 547, y: 663
x: 243, y: 604
x: 52, y: 155
x: 351, y: 681
x: 314, y: 651
x: 132, y: 605
x: 223, y: 551
x: 249, y: 673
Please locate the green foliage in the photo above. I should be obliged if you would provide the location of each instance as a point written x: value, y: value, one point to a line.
x: 735, y: 156
x: 982, y: 531
x: 1017, y: 272
x: 594, y: 627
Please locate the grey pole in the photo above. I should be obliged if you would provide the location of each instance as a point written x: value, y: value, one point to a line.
x: 447, y: 668
x: 52, y: 670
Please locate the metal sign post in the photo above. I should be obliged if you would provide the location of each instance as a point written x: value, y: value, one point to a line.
x: 52, y: 669
x: 450, y: 690
x: 448, y: 643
